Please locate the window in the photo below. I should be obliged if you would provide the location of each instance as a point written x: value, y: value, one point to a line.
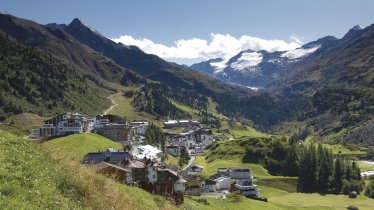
x: 154, y: 176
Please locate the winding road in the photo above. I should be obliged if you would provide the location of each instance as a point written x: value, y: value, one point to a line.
x: 114, y: 104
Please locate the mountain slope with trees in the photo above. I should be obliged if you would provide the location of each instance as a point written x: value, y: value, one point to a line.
x: 35, y: 81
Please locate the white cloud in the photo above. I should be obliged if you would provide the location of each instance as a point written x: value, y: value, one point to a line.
x: 219, y: 46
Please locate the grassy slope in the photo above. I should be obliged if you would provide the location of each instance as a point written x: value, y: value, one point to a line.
x: 365, y: 166
x: 220, y: 203
x: 125, y: 109
x: 31, y: 179
x: 211, y: 167
x: 193, y: 112
x: 337, y: 148
x: 81, y: 144
x: 172, y: 160
x: 280, y: 190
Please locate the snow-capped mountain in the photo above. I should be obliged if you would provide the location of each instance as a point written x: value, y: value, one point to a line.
x: 257, y: 68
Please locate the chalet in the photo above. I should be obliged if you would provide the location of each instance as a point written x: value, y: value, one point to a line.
x: 194, y: 170
x: 139, y: 171
x: 193, y: 187
x: 208, y: 185
x: 149, y: 176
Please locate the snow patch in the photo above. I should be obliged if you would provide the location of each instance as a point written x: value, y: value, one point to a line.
x: 218, y: 66
x: 246, y: 60
x: 300, y: 52
x: 252, y: 88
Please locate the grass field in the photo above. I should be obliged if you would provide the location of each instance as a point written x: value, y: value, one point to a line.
x: 337, y: 148
x: 126, y: 110
x: 171, y: 160
x: 212, y: 108
x: 365, y: 166
x: 280, y: 191
x: 193, y: 112
x: 81, y: 144
x: 36, y: 177
x: 316, y: 201
x: 211, y: 167
x: 220, y: 203
x: 25, y: 121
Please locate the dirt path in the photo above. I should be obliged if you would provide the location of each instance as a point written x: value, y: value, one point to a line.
x: 192, y: 158
x: 114, y: 104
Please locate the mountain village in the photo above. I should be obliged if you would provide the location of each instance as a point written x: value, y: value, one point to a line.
x: 143, y: 165
x: 167, y: 109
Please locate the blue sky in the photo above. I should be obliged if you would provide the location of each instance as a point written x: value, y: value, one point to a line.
x: 176, y: 30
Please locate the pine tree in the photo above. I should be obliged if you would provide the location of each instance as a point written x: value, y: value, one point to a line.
x: 338, y: 174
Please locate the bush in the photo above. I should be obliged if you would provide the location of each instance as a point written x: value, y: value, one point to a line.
x: 352, y: 185
x: 234, y: 198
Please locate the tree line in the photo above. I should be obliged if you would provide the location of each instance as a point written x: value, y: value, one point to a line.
x: 317, y: 169
x: 155, y: 137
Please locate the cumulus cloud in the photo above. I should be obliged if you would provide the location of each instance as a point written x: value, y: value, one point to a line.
x: 219, y: 46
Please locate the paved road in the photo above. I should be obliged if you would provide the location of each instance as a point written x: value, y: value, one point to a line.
x: 113, y: 104
x: 189, y: 163
x: 367, y: 173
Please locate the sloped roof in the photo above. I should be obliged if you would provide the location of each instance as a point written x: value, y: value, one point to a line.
x: 116, y: 157
x: 110, y: 157
x: 95, y: 157
x: 210, y: 182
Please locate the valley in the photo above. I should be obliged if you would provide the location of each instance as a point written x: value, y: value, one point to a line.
x: 88, y: 123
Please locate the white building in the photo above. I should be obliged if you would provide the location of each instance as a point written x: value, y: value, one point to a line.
x: 68, y: 123
x: 247, y: 189
x: 208, y: 185
x: 223, y: 183
x: 139, y: 127
x: 236, y: 173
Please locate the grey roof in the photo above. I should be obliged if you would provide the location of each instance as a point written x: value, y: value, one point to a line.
x: 110, y: 157
x: 116, y: 157
x: 95, y: 157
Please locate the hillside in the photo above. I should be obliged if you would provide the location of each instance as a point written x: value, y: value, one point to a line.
x: 32, y: 179
x: 35, y: 81
x: 79, y: 145
x: 93, y: 65
x: 338, y: 85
